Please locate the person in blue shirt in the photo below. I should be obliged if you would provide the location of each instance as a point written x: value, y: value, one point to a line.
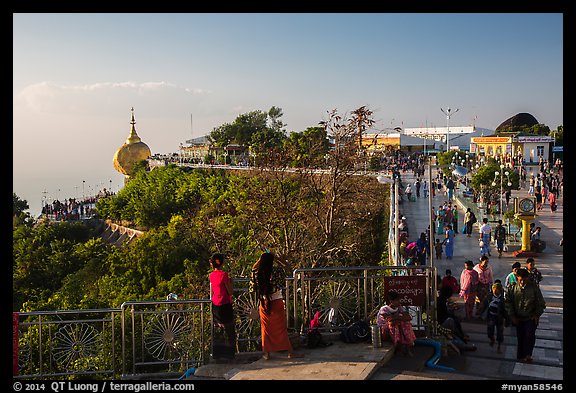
x: 423, y: 249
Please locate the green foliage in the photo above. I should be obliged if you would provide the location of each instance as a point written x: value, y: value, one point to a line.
x: 536, y: 129
x: 20, y: 216
x: 242, y: 129
x: 43, y: 257
x: 307, y: 149
x: 150, y: 199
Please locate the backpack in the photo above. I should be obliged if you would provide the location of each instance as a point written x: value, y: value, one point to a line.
x: 500, y: 233
x: 359, y: 331
x: 313, y: 338
x: 473, y: 219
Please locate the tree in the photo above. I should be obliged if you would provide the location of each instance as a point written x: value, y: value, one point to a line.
x: 337, y: 194
x: 274, y: 114
x: 241, y: 130
x: 361, y: 119
x: 20, y: 216
x: 308, y: 148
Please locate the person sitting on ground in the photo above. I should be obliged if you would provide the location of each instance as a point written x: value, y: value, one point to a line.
x: 396, y: 324
x: 314, y: 338
x: 449, y: 324
x: 403, y: 226
x: 402, y: 249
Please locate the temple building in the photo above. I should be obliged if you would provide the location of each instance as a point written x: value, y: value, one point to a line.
x: 130, y: 153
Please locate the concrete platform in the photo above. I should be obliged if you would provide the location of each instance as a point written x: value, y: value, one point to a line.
x: 339, y: 361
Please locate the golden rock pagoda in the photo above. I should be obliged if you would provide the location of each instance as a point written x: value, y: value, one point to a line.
x: 130, y: 153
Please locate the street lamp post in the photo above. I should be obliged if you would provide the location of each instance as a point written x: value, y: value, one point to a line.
x: 502, y: 174
x: 448, y: 112
x: 431, y: 242
x: 394, y: 181
x: 554, y: 147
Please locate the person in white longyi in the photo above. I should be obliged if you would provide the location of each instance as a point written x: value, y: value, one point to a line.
x: 485, y: 232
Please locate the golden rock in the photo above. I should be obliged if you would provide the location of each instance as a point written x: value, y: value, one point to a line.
x: 131, y: 152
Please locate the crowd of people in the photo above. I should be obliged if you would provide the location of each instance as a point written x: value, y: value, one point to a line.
x: 71, y: 208
x: 516, y: 300
x: 499, y: 302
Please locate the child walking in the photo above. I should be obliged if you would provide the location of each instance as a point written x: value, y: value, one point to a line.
x: 438, y: 248
x: 495, y: 315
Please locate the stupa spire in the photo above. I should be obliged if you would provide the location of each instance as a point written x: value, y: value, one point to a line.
x: 133, y: 137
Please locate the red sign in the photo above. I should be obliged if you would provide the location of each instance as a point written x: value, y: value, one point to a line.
x: 412, y: 289
x: 15, y: 320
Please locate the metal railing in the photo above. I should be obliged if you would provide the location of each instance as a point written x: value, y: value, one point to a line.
x: 170, y: 336
x: 165, y: 335
x: 71, y: 343
x: 347, y: 294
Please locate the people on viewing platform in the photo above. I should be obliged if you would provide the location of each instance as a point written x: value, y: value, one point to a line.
x: 72, y: 209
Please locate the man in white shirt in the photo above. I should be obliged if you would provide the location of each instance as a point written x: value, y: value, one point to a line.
x: 485, y: 234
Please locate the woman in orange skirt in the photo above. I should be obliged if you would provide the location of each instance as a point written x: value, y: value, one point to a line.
x: 267, y: 282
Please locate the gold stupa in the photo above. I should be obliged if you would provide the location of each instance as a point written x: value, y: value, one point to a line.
x: 131, y: 152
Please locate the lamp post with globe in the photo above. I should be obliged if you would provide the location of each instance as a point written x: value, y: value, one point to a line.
x: 448, y: 112
x: 509, y: 184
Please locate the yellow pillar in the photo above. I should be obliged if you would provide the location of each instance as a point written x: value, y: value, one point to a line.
x: 526, y: 234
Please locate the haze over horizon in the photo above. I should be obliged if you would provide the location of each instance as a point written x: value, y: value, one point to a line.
x: 77, y: 76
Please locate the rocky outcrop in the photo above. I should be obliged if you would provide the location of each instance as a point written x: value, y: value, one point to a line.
x: 519, y: 120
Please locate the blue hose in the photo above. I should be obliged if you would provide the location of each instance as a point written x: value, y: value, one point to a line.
x: 431, y: 363
x: 188, y: 373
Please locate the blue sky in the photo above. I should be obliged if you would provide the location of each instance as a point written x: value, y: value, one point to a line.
x: 76, y: 76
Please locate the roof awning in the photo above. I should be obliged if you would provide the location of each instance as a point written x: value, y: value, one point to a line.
x: 459, y: 170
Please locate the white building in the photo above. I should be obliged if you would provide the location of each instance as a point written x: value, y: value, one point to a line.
x: 459, y: 135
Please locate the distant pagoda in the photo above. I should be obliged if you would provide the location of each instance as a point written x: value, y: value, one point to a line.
x: 130, y: 153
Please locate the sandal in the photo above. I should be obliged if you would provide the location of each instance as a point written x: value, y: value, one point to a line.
x: 295, y: 355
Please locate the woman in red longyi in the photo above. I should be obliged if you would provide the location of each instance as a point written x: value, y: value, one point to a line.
x: 267, y: 282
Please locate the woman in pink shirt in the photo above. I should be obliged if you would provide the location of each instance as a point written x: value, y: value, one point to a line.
x: 468, y: 284
x: 485, y: 280
x: 222, y: 311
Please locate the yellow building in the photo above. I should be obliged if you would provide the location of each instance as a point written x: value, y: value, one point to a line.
x: 523, y: 148
x: 491, y: 146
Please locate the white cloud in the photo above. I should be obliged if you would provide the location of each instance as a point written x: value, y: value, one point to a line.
x: 53, y: 97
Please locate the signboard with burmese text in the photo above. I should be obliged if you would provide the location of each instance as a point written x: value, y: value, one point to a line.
x: 491, y: 139
x: 411, y: 289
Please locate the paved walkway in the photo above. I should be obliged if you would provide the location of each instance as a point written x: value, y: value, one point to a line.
x: 548, y: 353
x: 362, y: 361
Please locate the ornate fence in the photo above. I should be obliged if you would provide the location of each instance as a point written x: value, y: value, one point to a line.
x: 170, y: 336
